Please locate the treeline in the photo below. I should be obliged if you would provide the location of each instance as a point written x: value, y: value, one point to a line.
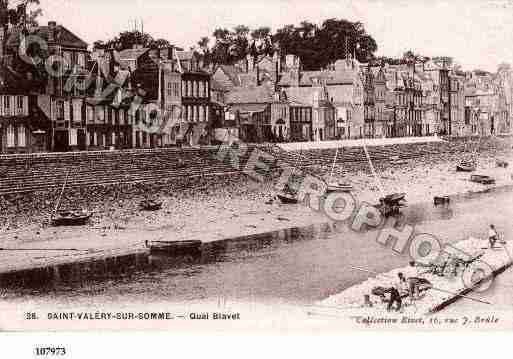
x: 317, y: 46
x: 127, y: 40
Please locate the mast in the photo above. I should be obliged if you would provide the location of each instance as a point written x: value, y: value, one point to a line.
x: 57, y: 205
x: 373, y: 170
x: 333, y: 167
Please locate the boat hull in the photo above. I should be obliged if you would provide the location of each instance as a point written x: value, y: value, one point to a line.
x: 287, y: 200
x: 441, y: 200
x: 174, y: 247
x: 71, y: 221
x: 481, y: 179
x: 150, y: 206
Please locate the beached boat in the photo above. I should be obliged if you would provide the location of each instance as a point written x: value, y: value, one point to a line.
x: 391, y: 204
x: 481, y: 179
x: 174, y: 247
x: 150, y: 205
x: 68, y: 217
x: 71, y: 218
x: 339, y: 187
x: 441, y: 200
x: 466, y: 166
x: 502, y: 163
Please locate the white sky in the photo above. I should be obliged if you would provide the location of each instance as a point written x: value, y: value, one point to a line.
x: 478, y: 33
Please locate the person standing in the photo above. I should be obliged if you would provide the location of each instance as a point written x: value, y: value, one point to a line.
x: 492, y: 235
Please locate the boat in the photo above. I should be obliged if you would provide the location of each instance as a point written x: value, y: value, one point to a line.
x: 334, y: 186
x: 174, y: 247
x: 150, y: 205
x: 391, y: 204
x: 339, y: 187
x: 466, y: 166
x: 502, y: 163
x: 68, y: 217
x: 441, y: 200
x: 286, y: 199
x: 394, y: 198
x: 71, y: 218
x: 481, y: 179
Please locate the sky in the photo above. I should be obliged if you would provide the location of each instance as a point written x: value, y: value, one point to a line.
x: 477, y: 33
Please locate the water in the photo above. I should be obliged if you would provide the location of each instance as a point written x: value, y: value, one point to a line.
x: 296, y: 266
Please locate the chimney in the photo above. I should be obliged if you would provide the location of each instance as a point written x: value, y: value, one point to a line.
x: 52, y: 25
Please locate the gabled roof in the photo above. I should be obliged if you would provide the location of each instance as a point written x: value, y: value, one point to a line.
x: 62, y: 36
x: 260, y: 94
x: 330, y: 78
x: 232, y: 72
x: 185, y: 55
x: 132, y: 54
x: 214, y: 85
x: 303, y: 95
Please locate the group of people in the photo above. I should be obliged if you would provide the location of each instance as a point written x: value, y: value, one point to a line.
x: 407, y: 286
x: 409, y: 282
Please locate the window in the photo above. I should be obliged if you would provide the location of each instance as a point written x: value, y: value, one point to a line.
x: 59, y: 110
x: 67, y: 59
x: 10, y: 136
x: 19, y: 102
x: 81, y: 59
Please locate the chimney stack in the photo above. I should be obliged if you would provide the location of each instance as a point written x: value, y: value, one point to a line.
x: 51, y: 31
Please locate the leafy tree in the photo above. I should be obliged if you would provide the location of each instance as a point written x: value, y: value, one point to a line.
x: 221, y: 49
x: 239, y: 42
x: 320, y: 46
x: 127, y: 40
x: 34, y: 13
x: 262, y: 41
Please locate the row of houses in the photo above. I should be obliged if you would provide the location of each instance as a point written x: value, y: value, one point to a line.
x: 136, y: 98
x: 156, y: 97
x: 354, y: 100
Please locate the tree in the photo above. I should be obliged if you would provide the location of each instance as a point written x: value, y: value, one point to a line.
x: 34, y: 13
x: 262, y: 41
x: 221, y: 50
x: 239, y: 43
x: 204, y: 50
x: 127, y: 40
x: 321, y: 46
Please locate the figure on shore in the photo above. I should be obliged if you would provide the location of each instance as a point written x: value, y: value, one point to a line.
x: 396, y: 293
x: 412, y: 275
x: 367, y: 303
x: 492, y: 235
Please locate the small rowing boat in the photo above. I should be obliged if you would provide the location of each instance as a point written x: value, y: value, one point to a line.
x: 71, y: 218
x: 502, y: 163
x: 481, y: 179
x: 441, y: 200
x: 466, y: 166
x: 150, y: 205
x: 287, y: 199
x: 174, y: 247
